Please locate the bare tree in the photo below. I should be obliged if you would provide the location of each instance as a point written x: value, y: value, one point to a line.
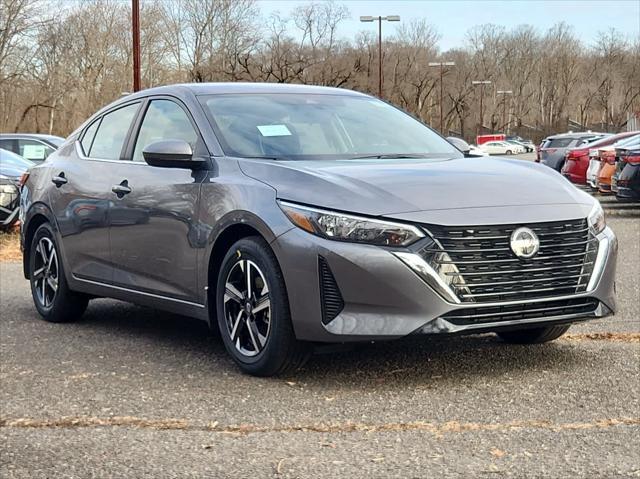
x: 60, y: 61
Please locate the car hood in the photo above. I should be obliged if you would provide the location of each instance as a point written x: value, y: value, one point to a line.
x: 397, y: 186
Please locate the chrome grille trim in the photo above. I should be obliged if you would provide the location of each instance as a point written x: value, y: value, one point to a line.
x: 472, y: 285
x: 486, y: 270
x: 524, y: 270
x: 557, y: 309
x: 514, y: 260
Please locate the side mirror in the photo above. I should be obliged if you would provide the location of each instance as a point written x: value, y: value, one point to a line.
x: 460, y: 144
x: 171, y: 154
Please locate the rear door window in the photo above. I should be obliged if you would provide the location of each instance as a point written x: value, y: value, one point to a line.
x: 112, y: 133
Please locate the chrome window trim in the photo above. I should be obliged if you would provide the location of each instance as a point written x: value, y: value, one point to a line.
x: 83, y: 157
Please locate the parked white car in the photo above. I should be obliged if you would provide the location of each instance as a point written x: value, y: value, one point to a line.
x: 500, y: 148
x: 475, y: 151
x: 593, y: 168
x: 466, y: 148
x: 526, y: 148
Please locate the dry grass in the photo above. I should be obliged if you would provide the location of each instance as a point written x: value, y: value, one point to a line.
x: 437, y: 429
x: 616, y: 337
x: 10, y: 246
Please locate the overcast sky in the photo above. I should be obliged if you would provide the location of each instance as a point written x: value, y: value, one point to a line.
x: 454, y: 17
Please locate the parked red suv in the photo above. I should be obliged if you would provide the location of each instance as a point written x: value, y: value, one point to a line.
x: 577, y: 159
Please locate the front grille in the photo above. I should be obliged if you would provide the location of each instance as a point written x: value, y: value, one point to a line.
x: 479, y: 266
x: 512, y: 312
x: 330, y: 297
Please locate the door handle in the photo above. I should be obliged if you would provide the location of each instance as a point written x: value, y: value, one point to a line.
x: 59, y: 180
x: 121, y: 189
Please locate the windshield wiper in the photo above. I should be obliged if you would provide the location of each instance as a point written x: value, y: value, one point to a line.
x: 273, y: 158
x: 388, y: 156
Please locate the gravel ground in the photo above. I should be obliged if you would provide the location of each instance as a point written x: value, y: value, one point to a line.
x: 132, y: 392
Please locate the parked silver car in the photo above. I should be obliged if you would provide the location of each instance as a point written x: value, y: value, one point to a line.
x: 554, y: 148
x: 31, y: 146
x: 289, y: 215
x: 12, y: 167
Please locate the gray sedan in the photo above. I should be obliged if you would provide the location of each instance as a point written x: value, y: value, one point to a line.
x: 286, y: 216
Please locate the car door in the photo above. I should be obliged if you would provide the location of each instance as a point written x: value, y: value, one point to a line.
x: 83, y: 174
x: 491, y: 148
x: 154, y: 215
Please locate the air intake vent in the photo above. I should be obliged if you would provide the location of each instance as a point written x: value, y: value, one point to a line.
x: 330, y: 297
x: 568, y: 308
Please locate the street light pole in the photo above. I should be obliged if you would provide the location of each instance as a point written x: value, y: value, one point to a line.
x: 441, y: 65
x: 504, y: 108
x: 482, y: 83
x: 135, y: 26
x: 388, y: 18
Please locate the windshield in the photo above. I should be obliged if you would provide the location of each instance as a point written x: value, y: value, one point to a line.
x: 297, y: 126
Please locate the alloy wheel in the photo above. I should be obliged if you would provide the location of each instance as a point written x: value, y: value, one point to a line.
x: 247, y: 307
x: 45, y: 272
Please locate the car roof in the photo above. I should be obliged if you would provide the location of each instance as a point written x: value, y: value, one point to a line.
x: 577, y: 135
x: 243, y: 88
x: 613, y: 139
x: 35, y: 136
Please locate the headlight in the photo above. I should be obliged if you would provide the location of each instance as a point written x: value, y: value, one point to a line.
x: 596, y: 219
x: 8, y: 193
x: 343, y: 227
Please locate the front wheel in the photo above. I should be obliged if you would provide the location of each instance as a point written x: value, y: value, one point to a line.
x: 253, y: 311
x: 534, y: 335
x: 52, y: 297
x: 508, y: 152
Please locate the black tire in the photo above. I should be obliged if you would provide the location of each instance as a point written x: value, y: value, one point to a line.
x: 508, y: 152
x: 275, y: 350
x: 534, y: 335
x: 59, y: 305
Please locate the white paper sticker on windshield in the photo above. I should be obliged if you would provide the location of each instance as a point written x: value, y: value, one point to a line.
x: 274, y: 130
x: 33, y: 152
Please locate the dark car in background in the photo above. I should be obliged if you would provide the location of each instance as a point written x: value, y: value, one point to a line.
x: 628, y: 179
x: 622, y: 151
x: 31, y: 146
x: 576, y: 161
x: 553, y: 148
x: 290, y: 215
x: 12, y: 168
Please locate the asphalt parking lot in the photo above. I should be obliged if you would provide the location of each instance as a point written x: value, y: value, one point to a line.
x: 131, y: 392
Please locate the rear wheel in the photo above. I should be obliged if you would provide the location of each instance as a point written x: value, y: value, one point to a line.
x: 534, y: 335
x: 51, y: 295
x: 253, y: 311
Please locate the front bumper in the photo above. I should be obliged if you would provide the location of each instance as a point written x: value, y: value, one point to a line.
x: 385, y: 299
